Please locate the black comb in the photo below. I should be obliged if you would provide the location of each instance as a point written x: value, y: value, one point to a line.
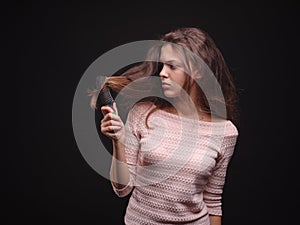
x: 105, y: 97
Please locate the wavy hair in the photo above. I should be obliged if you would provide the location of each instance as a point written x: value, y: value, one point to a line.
x: 203, y: 46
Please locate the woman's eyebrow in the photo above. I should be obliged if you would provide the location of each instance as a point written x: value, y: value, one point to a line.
x: 171, y: 62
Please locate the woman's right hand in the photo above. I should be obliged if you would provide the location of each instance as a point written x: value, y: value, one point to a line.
x: 111, y: 125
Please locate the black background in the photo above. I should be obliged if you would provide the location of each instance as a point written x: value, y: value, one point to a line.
x: 47, y: 181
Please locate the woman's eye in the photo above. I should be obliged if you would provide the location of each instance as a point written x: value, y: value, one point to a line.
x: 171, y: 66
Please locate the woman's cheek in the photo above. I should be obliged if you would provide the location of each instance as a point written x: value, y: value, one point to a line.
x: 172, y: 92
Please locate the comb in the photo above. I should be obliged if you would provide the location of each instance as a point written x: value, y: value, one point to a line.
x: 105, y: 97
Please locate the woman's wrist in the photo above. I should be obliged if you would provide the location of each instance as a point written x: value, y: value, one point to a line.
x: 119, y: 140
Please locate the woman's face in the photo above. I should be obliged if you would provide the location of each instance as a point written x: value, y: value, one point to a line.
x: 172, y: 74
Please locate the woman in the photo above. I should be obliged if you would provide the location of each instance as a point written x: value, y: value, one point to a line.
x: 173, y: 152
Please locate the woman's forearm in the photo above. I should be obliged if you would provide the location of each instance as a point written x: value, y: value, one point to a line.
x: 119, y: 173
x: 113, y: 127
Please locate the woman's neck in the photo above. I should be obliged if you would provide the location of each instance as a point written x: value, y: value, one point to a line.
x: 186, y: 107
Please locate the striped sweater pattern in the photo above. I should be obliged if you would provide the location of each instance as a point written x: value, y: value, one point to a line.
x: 177, y: 167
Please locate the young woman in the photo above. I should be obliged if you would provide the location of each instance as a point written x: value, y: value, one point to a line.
x: 171, y: 162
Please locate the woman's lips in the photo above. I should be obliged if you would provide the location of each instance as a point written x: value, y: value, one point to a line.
x: 165, y: 85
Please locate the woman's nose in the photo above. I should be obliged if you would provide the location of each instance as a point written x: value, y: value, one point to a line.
x: 164, y: 71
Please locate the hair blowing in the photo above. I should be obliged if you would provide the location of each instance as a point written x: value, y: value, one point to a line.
x: 201, y: 44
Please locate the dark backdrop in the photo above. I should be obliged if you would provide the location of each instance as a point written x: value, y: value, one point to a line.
x: 46, y: 179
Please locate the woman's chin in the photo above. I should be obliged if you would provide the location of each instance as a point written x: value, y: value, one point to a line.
x: 170, y: 94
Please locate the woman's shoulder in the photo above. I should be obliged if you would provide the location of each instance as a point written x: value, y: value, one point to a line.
x: 142, y: 108
x: 138, y: 113
x: 227, y: 126
x: 231, y: 129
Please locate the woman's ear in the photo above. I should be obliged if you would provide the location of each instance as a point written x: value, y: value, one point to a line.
x: 197, y: 75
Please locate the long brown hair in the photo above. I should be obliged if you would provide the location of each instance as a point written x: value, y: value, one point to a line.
x: 199, y: 43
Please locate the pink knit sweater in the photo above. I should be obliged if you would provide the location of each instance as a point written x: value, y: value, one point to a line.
x: 177, y: 167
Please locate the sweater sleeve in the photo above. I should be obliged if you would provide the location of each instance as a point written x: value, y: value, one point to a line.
x: 212, y: 195
x: 132, y: 146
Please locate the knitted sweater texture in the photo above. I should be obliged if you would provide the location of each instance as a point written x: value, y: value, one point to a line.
x: 177, y: 167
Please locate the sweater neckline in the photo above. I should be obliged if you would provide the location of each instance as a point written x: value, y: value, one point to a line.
x: 190, y: 120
